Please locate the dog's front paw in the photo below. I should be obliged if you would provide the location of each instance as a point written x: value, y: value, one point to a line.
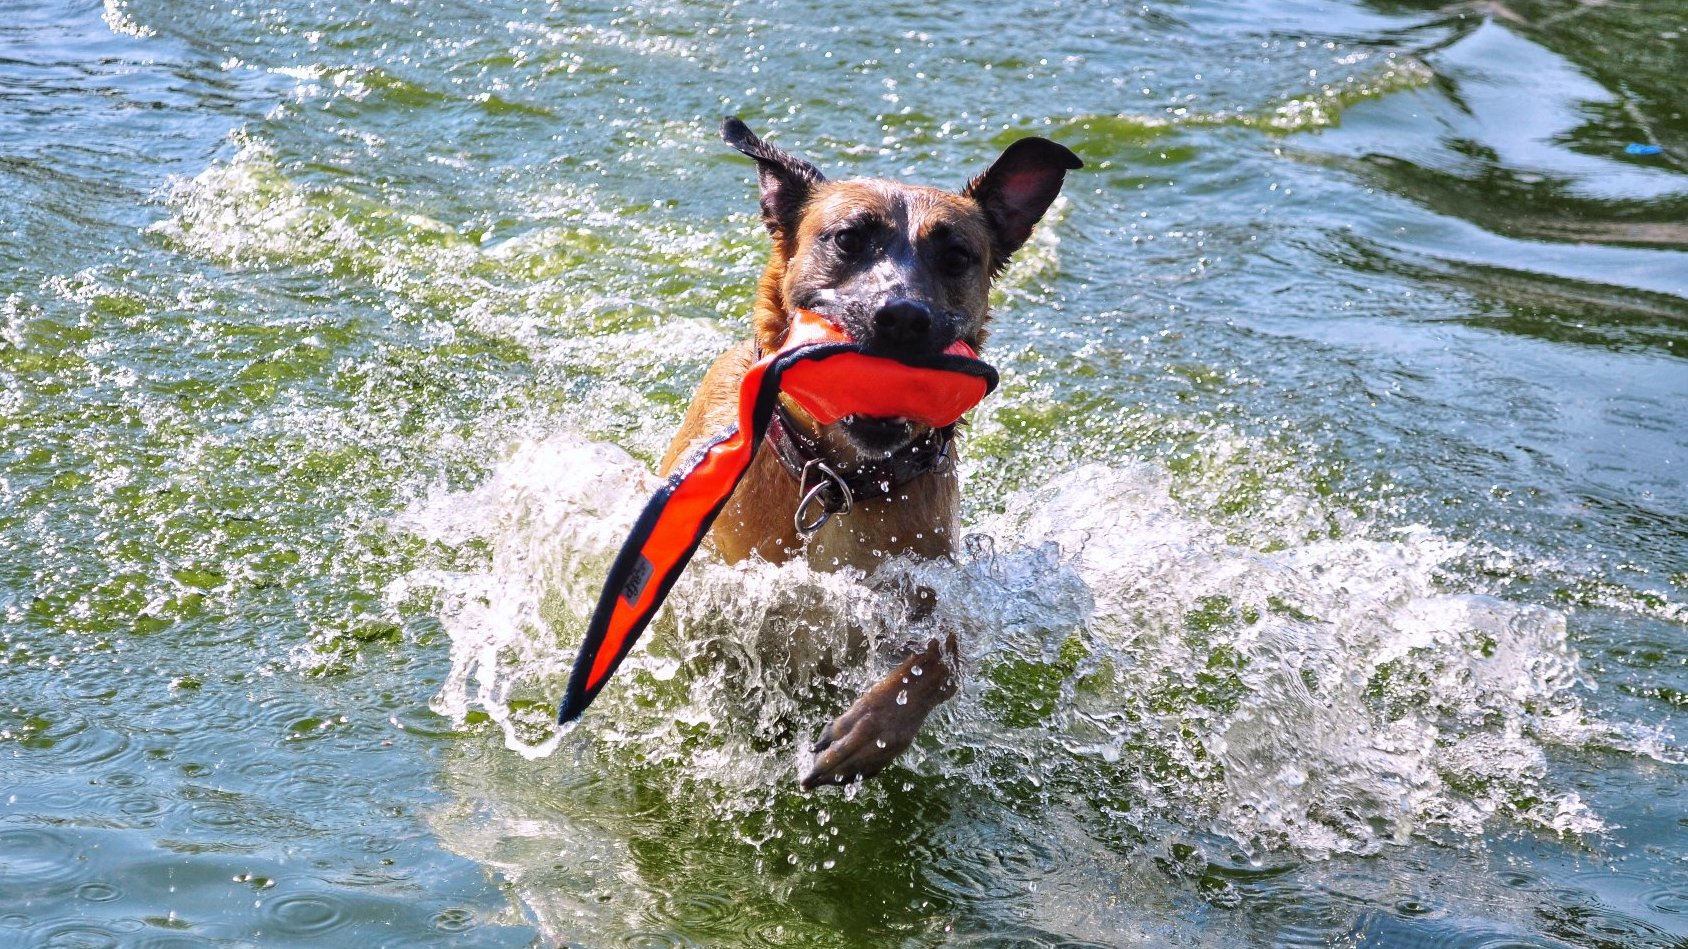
x: 859, y: 744
x: 882, y: 723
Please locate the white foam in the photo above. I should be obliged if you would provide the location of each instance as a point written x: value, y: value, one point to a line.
x: 1328, y: 697
x: 556, y: 511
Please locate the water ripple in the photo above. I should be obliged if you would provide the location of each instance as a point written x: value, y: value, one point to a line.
x: 1670, y: 899
x: 40, y: 862
x: 98, y: 892
x: 305, y: 914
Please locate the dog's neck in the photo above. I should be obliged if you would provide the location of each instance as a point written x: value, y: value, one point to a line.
x: 798, y: 445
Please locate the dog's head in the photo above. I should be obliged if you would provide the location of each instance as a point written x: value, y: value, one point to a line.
x: 903, y: 269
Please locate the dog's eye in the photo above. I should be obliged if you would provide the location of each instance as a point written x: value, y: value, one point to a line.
x: 849, y: 241
x: 957, y: 260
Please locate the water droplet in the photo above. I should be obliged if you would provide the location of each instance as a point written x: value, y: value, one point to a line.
x: 902, y: 697
x: 915, y: 671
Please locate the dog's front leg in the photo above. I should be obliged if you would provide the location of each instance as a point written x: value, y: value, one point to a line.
x: 883, y: 722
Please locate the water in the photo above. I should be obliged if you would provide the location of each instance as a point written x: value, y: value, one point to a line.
x: 1328, y: 540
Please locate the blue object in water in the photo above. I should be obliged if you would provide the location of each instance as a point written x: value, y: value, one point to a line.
x: 1635, y: 148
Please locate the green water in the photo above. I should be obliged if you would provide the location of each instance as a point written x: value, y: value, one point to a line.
x: 1328, y: 549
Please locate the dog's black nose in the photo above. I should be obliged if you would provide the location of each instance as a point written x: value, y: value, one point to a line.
x: 905, y: 327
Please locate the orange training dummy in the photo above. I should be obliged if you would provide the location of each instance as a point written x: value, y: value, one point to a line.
x: 831, y: 377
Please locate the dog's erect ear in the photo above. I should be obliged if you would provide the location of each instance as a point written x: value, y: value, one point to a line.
x: 785, y: 179
x: 1018, y: 187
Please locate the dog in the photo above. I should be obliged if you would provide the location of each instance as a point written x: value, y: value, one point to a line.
x: 904, y: 270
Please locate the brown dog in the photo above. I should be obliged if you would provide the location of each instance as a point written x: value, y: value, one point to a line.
x: 903, y: 270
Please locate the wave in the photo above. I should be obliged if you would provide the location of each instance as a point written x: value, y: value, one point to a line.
x: 1321, y: 698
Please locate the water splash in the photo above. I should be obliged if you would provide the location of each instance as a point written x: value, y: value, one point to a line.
x: 1329, y: 697
x: 550, y: 548
x: 115, y: 15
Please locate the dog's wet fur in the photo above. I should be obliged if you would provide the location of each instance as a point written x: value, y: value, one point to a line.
x: 903, y: 270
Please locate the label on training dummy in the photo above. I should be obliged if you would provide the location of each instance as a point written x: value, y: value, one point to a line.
x: 636, y: 580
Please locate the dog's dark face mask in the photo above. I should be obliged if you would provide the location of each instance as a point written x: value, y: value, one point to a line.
x: 904, y: 270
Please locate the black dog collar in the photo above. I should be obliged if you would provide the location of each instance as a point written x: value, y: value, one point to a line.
x: 844, y: 485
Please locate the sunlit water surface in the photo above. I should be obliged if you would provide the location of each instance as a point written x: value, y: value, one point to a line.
x: 1327, y: 547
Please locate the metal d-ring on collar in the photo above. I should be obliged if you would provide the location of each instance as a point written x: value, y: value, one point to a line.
x: 838, y: 488
x: 839, y: 502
